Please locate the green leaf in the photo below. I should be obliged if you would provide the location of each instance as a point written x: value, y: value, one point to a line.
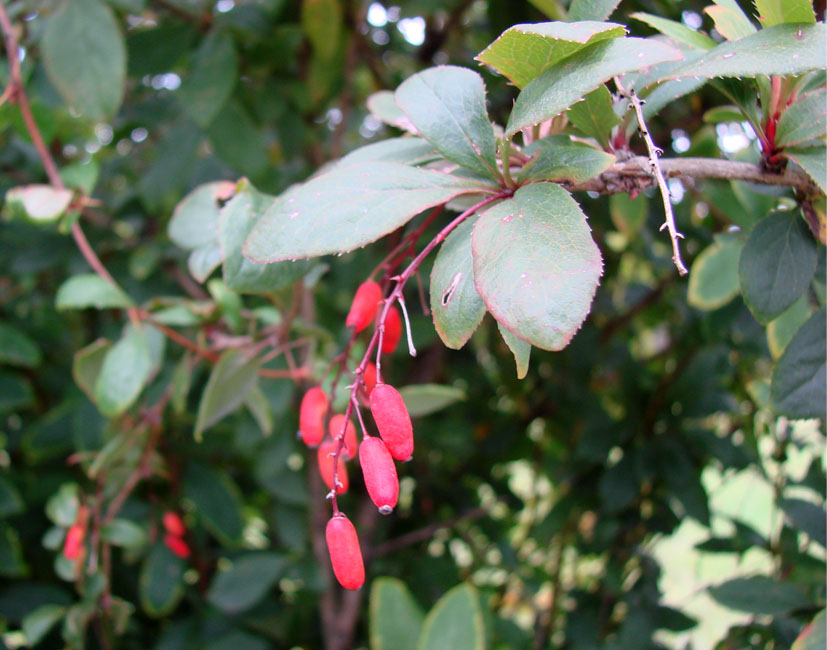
x: 87, y: 363
x: 447, y: 107
x: 81, y: 176
x: 124, y: 372
x: 455, y: 304
x: 676, y: 31
x: 239, y: 141
x: 85, y: 57
x: 523, y: 52
x: 592, y: 9
x: 125, y: 533
x: 595, y: 116
x: 17, y: 348
x: 161, y: 583
x: 814, y: 635
x: 39, y: 622
x: 348, y: 207
x: 235, y: 223
x: 232, y: 378
x: 774, y: 12
x: 259, y: 407
x: 90, y: 291
x: 157, y: 49
x: 456, y: 621
x: 805, y: 119
x: 217, y: 501
x: 781, y: 330
x: 395, y: 617
x: 424, y: 399
x: 713, y: 278
x: 558, y: 158
x: 778, y: 50
x: 12, y: 564
x: 382, y: 105
x: 800, y: 378
x: 194, y: 222
x: 519, y: 348
x: 814, y: 162
x: 569, y: 80
x: 238, y: 640
x: 806, y: 517
x: 204, y: 260
x: 406, y: 151
x: 628, y: 214
x: 536, y: 265
x: 15, y: 392
x: 759, y: 595
x: 62, y: 506
x: 246, y: 581
x: 10, y: 501
x: 211, y: 79
x: 777, y: 264
x: 322, y: 24
x: 550, y: 8
x: 38, y: 203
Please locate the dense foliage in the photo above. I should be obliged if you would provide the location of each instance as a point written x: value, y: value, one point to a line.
x: 609, y: 453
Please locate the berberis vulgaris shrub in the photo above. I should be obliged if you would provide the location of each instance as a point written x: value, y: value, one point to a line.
x: 228, y: 349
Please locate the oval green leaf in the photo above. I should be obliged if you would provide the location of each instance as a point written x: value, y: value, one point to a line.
x: 456, y: 621
x: 800, y: 378
x: 395, y: 617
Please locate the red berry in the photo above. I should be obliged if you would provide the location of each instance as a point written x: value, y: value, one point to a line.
x: 392, y: 420
x: 380, y: 474
x: 311, y: 416
x: 325, y: 458
x: 73, y: 543
x: 177, y: 545
x: 393, y: 331
x: 364, y: 305
x: 345, y: 554
x: 351, y: 444
x: 369, y: 377
x: 173, y: 524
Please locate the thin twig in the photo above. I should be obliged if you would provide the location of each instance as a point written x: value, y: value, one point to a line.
x: 654, y: 153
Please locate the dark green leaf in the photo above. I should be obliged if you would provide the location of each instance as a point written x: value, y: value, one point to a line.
x: 85, y: 57
x: 125, y: 533
x: 805, y: 119
x: 238, y: 140
x: 568, y: 81
x: 231, y: 380
x: 246, y: 581
x: 15, y: 392
x: 558, y: 158
x: 713, y: 278
x: 17, y: 348
x: 211, y: 79
x: 814, y: 162
x: 759, y: 595
x: 12, y: 564
x: 456, y: 621
x: 592, y: 9
x: 424, y: 399
x: 395, y: 617
x: 628, y: 214
x: 447, y: 107
x: 806, y: 517
x: 455, y: 304
x: 158, y: 49
x: 800, y: 378
x: 259, y: 407
x: 90, y: 291
x: 217, y: 501
x: 322, y: 24
x: 162, y: 582
x: 39, y: 622
x: 238, y: 640
x: 10, y: 501
x: 124, y: 372
x: 777, y: 264
x: 536, y: 265
x: 519, y: 348
x: 346, y: 208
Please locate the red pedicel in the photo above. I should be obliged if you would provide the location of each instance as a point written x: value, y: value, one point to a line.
x: 173, y: 524
x: 364, y: 306
x: 325, y: 458
x: 351, y: 447
x: 379, y: 473
x: 369, y: 377
x: 311, y: 416
x: 392, y: 420
x: 345, y: 554
x: 177, y: 545
x: 73, y: 543
x: 393, y: 331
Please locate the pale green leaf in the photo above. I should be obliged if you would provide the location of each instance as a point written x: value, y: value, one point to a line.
x: 774, y: 12
x: 256, y: 402
x: 536, y: 265
x: 124, y: 533
x: 124, y: 372
x: 677, y: 31
x: 406, y: 151
x: 38, y: 623
x: 730, y: 21
x: 231, y: 380
x: 592, y: 9
x: 456, y: 621
x: 90, y: 291
x: 799, y: 382
x: 382, y: 105
x: 781, y: 330
x: 87, y: 363
x: 194, y: 222
x: 424, y: 399
x: 395, y: 617
x: 559, y: 158
x: 814, y: 635
x: 205, y: 259
x: 713, y: 278
x: 519, y: 348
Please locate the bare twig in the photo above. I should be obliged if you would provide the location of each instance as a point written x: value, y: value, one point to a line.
x: 654, y: 153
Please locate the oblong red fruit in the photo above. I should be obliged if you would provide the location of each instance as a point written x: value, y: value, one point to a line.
x: 74, y: 542
x: 369, y: 377
x: 379, y: 473
x: 392, y: 420
x: 177, y: 545
x: 311, y: 416
x: 351, y: 444
x: 393, y: 331
x: 173, y: 524
x: 345, y: 553
x: 364, y: 305
x: 325, y: 458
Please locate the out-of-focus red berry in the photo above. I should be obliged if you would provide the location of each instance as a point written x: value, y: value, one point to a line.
x: 351, y: 444
x: 177, y: 545
x: 173, y: 524
x: 325, y: 458
x: 393, y: 331
x: 379, y: 473
x: 311, y: 416
x: 392, y: 420
x: 364, y: 306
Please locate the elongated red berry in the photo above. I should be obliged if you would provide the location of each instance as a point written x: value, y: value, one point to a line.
x: 177, y: 545
x: 73, y: 543
x: 364, y: 305
x: 393, y: 331
x: 311, y: 416
x: 325, y: 458
x: 345, y: 553
x: 369, y: 377
x: 379, y: 473
x: 173, y: 524
x: 392, y: 420
x: 351, y: 444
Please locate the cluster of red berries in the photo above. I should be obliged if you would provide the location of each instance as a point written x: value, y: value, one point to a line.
x: 174, y: 535
x: 376, y: 454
